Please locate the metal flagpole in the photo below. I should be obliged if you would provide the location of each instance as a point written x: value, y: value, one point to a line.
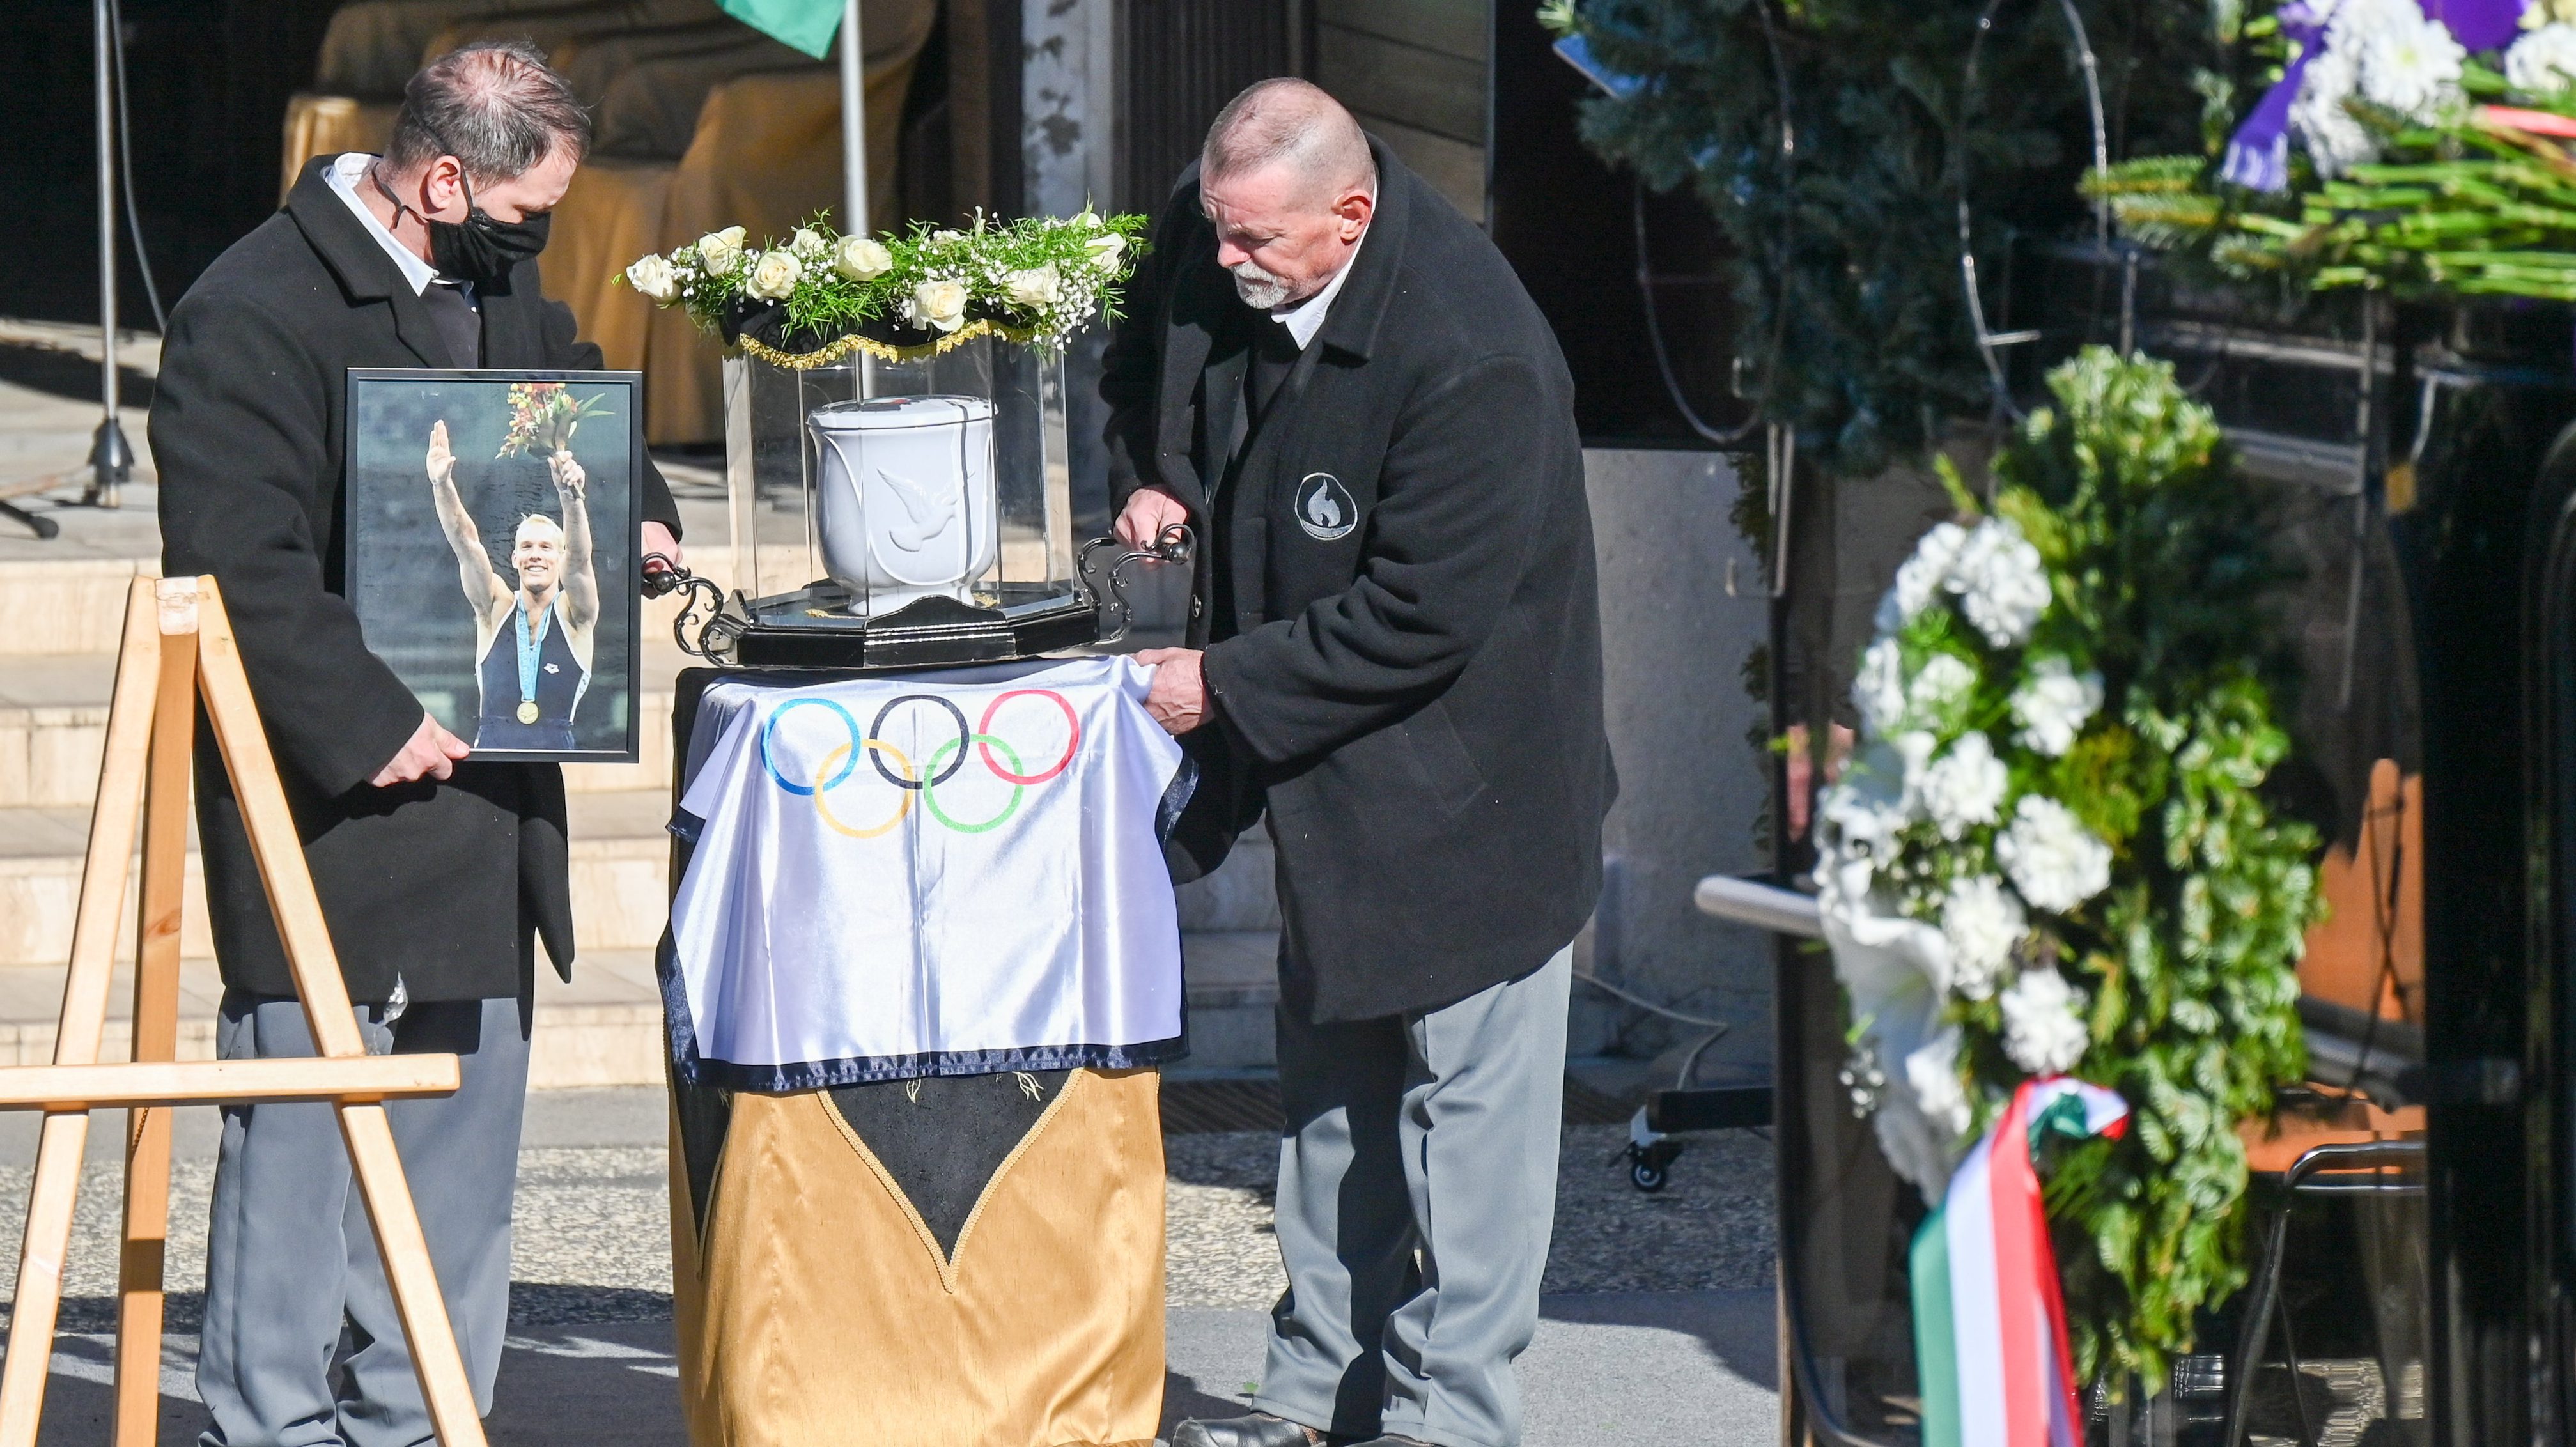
x: 854, y: 149
x: 111, y: 461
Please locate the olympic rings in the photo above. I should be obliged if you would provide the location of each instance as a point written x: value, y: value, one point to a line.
x: 942, y: 765
x: 1072, y: 743
x: 819, y: 784
x: 930, y: 796
x: 903, y: 802
x: 954, y: 712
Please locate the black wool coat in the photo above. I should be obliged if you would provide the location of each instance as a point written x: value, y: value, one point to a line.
x: 440, y: 884
x: 1411, y: 684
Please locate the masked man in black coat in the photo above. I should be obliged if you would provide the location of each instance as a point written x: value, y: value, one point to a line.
x: 436, y: 872
x: 1336, y: 382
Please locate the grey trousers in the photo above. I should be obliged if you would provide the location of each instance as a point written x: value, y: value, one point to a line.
x: 302, y: 1346
x: 1417, y: 1191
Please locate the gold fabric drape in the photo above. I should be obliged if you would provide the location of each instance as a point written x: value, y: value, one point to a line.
x: 822, y: 1310
x: 767, y: 155
x: 372, y: 46
x: 699, y: 123
x: 327, y: 125
x: 565, y: 33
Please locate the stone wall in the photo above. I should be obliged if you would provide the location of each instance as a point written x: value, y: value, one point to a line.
x: 1683, y: 607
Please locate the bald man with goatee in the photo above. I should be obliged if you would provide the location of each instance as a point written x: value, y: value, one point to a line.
x: 1333, y: 380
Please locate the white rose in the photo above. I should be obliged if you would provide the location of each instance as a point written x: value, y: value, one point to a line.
x: 861, y: 259
x: 1037, y: 287
x: 2043, y: 1028
x: 719, y: 252
x: 937, y: 304
x: 655, y: 278
x: 1982, y: 922
x: 806, y: 245
x: 1943, y: 683
x: 2001, y: 583
x: 1919, y: 578
x: 1106, y: 247
x: 1878, y: 690
x: 1932, y: 1072
x: 2543, y: 62
x: 2054, y: 703
x: 1965, y: 786
x: 1904, y: 757
x: 2335, y: 140
x: 2410, y: 62
x: 1860, y: 818
x: 774, y: 276
x: 2051, y: 857
x: 1857, y: 838
x: 945, y: 235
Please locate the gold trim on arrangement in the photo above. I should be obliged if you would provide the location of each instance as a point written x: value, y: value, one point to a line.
x: 825, y: 356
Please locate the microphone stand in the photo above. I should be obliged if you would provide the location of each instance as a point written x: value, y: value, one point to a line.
x: 111, y: 459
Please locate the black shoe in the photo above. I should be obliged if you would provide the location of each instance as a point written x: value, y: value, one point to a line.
x: 1258, y: 1430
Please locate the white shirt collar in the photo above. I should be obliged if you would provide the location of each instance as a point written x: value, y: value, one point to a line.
x: 343, y: 177
x: 1305, y: 318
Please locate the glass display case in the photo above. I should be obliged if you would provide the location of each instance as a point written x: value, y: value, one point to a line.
x: 902, y: 512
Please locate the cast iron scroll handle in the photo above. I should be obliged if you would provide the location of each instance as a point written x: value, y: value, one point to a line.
x: 1174, y: 544
x: 703, y: 610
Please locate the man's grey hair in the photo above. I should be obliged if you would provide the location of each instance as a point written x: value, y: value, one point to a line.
x: 495, y: 106
x: 1291, y: 122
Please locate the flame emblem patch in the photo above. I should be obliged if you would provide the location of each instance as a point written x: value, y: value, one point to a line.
x: 1324, y: 507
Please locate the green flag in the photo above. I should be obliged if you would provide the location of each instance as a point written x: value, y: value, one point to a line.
x: 805, y: 24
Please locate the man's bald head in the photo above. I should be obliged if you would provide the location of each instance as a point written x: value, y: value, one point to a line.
x: 1288, y: 181
x: 1291, y: 123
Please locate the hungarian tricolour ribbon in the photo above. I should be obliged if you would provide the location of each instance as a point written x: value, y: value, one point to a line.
x: 1989, y: 1318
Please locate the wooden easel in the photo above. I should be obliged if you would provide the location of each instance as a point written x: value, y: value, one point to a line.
x: 177, y: 644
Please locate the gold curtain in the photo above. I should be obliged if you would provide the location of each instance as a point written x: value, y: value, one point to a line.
x: 821, y: 1310
x: 755, y: 128
x: 372, y: 46
x: 326, y: 125
x: 767, y: 155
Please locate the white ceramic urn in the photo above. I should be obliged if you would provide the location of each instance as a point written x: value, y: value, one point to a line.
x: 904, y: 498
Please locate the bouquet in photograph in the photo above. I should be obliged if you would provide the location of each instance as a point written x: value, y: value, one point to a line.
x: 543, y: 416
x: 1031, y: 281
x: 2049, y: 855
x: 2391, y: 149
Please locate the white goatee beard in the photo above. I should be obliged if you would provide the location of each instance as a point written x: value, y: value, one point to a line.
x: 1260, y: 290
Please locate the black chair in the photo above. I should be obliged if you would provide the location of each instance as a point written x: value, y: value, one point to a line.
x: 2338, y: 1168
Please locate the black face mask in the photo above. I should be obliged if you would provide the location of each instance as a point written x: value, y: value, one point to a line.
x: 477, y: 249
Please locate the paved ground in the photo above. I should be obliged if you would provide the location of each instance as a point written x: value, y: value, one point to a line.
x: 1658, y: 1321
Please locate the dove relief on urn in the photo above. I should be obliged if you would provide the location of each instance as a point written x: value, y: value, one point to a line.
x: 905, y: 501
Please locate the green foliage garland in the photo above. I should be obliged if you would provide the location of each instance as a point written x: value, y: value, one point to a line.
x: 2055, y: 823
x: 2163, y: 554
x: 1857, y: 330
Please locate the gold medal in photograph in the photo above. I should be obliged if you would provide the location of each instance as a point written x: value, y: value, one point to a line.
x: 528, y: 712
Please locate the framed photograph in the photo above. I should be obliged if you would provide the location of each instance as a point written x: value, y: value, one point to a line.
x: 495, y: 531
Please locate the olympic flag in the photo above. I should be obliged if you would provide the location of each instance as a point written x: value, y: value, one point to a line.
x: 926, y: 875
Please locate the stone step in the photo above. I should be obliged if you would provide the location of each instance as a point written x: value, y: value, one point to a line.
x: 67, y: 595
x: 604, y: 1028
x: 620, y: 861
x: 1240, y: 896
x: 53, y: 725
x: 68, y: 604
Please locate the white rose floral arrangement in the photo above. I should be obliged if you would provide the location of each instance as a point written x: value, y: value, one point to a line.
x: 1034, y: 281
x: 2049, y: 854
